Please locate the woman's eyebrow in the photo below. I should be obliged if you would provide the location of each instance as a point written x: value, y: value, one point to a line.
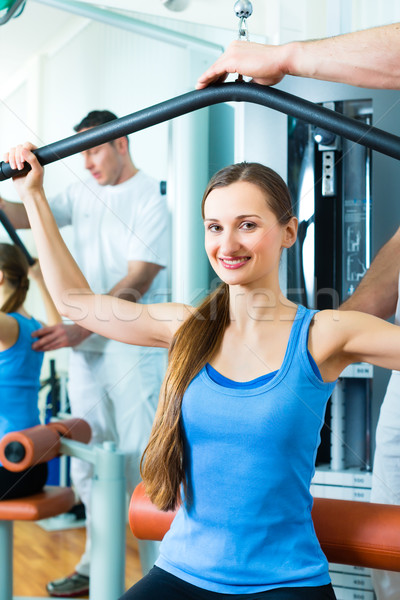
x: 238, y: 217
x: 247, y: 216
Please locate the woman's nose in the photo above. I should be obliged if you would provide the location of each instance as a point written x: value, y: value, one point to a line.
x: 230, y: 243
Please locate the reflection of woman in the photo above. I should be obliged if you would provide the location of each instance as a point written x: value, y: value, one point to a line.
x: 243, y: 401
x: 19, y: 365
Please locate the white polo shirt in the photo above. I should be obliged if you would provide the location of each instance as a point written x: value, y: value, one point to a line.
x: 111, y: 226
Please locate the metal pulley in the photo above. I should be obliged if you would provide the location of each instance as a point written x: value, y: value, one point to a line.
x: 243, y: 10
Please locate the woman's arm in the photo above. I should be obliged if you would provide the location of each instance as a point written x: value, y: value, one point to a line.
x: 52, y: 315
x: 340, y: 338
x: 368, y: 58
x: 133, y: 323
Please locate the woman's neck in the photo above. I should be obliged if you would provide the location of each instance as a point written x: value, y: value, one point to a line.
x: 250, y: 306
x: 5, y: 295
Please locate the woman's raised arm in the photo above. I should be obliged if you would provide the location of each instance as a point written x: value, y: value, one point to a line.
x: 340, y: 338
x: 129, y: 322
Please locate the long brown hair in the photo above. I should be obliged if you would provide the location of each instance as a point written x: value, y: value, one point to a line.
x: 15, y: 269
x: 194, y: 344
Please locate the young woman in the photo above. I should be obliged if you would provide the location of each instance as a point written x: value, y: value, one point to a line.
x: 243, y: 401
x: 20, y: 365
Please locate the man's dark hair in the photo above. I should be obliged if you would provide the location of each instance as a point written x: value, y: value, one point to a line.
x: 94, y: 118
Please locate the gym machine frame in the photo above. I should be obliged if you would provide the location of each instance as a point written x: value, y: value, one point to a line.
x: 22, y: 449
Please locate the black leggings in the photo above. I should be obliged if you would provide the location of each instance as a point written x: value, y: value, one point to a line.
x: 159, y: 584
x: 24, y: 483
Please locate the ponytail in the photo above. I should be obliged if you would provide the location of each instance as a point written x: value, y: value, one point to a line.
x: 15, y: 267
x: 161, y: 466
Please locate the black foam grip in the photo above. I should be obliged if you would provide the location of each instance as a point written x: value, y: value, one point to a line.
x: 14, y: 235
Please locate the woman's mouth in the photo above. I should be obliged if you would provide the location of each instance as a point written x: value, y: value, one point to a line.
x: 234, y: 262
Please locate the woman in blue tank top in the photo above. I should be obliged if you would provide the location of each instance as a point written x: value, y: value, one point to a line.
x: 19, y: 365
x: 238, y: 425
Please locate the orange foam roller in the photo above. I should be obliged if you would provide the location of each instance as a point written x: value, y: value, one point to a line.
x: 73, y: 429
x: 352, y: 533
x: 32, y: 446
x: 358, y: 533
x: 20, y: 450
x: 146, y: 521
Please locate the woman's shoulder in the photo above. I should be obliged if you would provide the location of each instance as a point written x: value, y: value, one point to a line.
x: 330, y: 329
x: 329, y: 321
x: 9, y: 330
x: 336, y: 318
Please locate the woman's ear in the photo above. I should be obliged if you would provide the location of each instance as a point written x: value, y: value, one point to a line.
x: 290, y: 233
x: 1, y: 276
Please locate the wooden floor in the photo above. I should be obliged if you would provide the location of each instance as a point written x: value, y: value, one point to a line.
x: 41, y: 556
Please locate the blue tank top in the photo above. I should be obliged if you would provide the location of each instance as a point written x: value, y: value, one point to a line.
x: 19, y: 379
x: 249, y: 452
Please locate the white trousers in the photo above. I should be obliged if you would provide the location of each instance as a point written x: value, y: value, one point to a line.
x: 386, y: 476
x: 117, y: 394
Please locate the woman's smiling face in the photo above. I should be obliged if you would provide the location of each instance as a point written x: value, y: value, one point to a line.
x: 243, y: 237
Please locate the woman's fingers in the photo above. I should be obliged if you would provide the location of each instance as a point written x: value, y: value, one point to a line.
x: 18, y: 155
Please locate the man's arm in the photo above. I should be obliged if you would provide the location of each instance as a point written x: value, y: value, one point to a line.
x: 131, y: 287
x: 377, y: 292
x: 16, y: 212
x: 368, y: 58
x: 137, y: 281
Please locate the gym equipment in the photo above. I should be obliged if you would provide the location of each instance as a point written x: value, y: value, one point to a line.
x: 15, y: 237
x: 351, y: 533
x: 14, y: 9
x: 21, y: 449
x: 243, y: 10
x: 312, y: 113
x: 50, y: 502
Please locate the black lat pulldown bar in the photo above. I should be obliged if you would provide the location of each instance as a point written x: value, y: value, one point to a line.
x: 15, y: 237
x: 359, y: 132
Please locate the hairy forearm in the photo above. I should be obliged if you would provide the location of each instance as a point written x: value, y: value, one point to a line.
x: 134, y: 285
x: 368, y: 58
x: 373, y: 296
x: 128, y: 289
x: 377, y: 293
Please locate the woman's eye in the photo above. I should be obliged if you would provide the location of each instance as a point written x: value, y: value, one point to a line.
x: 214, y: 227
x: 247, y: 225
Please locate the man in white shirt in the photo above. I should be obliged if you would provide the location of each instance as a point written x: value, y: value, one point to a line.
x: 121, y: 243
